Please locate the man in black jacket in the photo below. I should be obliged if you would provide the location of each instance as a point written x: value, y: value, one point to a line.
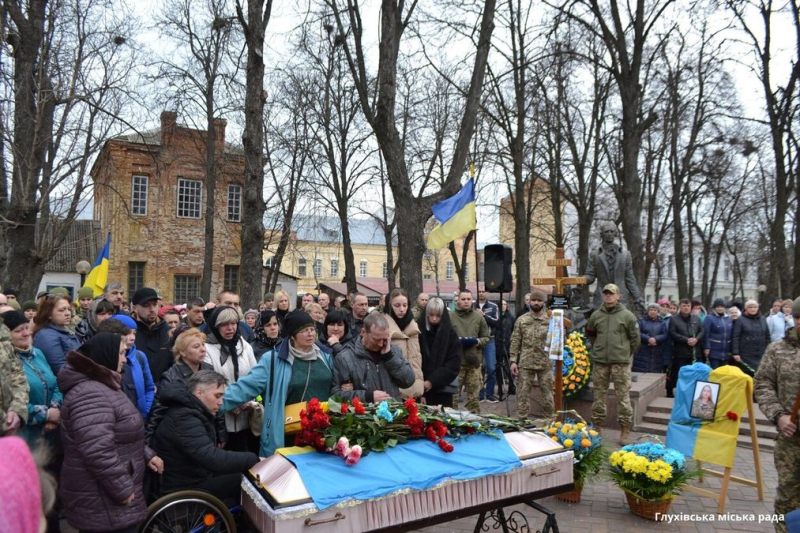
x: 186, y: 439
x: 152, y: 333
x: 687, y: 334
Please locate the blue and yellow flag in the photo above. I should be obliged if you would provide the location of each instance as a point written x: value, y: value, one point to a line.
x: 456, y: 216
x: 98, y: 277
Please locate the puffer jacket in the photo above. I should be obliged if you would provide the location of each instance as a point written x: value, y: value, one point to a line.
x: 178, y: 373
x: 104, y: 452
x: 356, y: 366
x: 55, y: 343
x: 650, y: 358
x: 614, y: 333
x: 750, y: 338
x: 186, y: 440
x: 408, y: 341
x: 156, y: 344
x: 719, y: 330
x: 246, y: 361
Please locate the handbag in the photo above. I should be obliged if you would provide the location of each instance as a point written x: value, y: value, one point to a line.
x: 256, y: 418
x: 291, y: 415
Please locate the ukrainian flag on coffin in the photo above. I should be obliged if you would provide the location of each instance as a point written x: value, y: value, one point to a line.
x: 98, y: 277
x: 456, y: 217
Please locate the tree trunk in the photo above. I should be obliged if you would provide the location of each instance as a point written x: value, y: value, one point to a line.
x: 253, y: 205
x: 210, y: 186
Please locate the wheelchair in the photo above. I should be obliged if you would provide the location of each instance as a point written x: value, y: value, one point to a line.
x: 189, y: 511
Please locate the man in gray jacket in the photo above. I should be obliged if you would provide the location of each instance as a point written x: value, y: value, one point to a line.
x: 371, y: 369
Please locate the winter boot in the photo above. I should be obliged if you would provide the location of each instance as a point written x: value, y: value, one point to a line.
x: 598, y: 427
x: 624, y: 435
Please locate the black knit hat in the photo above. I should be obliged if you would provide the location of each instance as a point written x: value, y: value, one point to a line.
x: 13, y: 319
x: 719, y: 302
x: 296, y: 321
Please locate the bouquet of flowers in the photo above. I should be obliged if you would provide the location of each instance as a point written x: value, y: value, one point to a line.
x: 351, y: 430
x: 577, y: 367
x: 584, y: 442
x: 650, y: 471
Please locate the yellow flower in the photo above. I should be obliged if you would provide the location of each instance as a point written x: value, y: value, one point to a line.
x: 593, y: 433
x: 558, y: 424
x: 552, y: 431
x: 580, y: 425
x: 555, y: 439
x: 324, y: 406
x: 566, y: 427
x: 586, y: 443
x: 568, y: 443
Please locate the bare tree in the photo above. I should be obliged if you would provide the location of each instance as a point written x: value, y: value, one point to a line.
x: 71, y: 65
x: 254, y: 26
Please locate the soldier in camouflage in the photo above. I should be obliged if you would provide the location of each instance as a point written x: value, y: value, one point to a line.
x: 777, y: 384
x: 529, y: 360
x: 474, y: 334
x: 13, y: 386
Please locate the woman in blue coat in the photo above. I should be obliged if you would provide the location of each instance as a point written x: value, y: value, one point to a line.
x: 44, y: 397
x: 50, y: 333
x: 654, y: 332
x: 719, y: 331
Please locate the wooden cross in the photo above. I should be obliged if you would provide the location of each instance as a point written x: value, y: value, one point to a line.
x: 559, y: 281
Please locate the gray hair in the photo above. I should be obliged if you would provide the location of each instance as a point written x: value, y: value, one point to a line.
x: 204, y: 379
x: 113, y: 285
x: 607, y: 224
x: 226, y: 316
x: 435, y: 307
x: 653, y: 305
x: 375, y: 321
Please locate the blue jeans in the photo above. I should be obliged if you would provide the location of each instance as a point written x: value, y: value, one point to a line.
x: 489, y: 367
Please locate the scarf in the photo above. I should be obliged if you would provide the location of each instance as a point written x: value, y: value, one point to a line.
x: 103, y: 349
x: 435, y: 342
x: 312, y: 354
x: 258, y: 330
x: 228, y: 348
x: 402, y: 323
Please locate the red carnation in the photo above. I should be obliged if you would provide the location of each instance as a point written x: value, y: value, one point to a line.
x: 445, y: 446
x: 411, y: 406
x: 358, y: 406
x: 732, y: 415
x: 345, y: 408
x: 430, y: 434
x: 313, y: 404
x: 441, y: 429
x: 320, y: 421
x: 470, y: 430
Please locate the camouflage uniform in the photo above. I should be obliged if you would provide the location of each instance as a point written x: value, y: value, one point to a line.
x: 616, y: 337
x: 777, y: 383
x: 14, y: 387
x: 527, y: 350
x: 470, y: 324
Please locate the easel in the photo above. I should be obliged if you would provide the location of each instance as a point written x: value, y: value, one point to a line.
x: 559, y: 281
x: 726, y: 475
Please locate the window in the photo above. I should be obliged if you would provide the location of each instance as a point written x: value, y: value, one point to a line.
x: 230, y: 279
x: 317, y: 268
x: 728, y: 269
x: 385, y: 270
x: 334, y: 268
x: 362, y: 269
x: 301, y: 267
x: 190, y: 196
x: 135, y: 276
x: 139, y: 195
x: 449, y: 272
x: 427, y: 276
x: 234, y: 203
x: 466, y: 271
x: 186, y: 288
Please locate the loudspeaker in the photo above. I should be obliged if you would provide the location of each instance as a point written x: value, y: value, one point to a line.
x: 497, y: 268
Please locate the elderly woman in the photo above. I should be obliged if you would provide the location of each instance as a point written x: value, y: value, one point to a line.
x: 50, y: 330
x: 190, y: 357
x: 441, y: 353
x: 232, y: 357
x: 266, y: 333
x: 750, y: 338
x: 44, y: 397
x: 318, y: 315
x: 405, y: 334
x: 654, y: 333
x: 298, y: 370
x: 99, y: 311
x: 250, y: 318
x: 337, y: 334
x: 103, y: 437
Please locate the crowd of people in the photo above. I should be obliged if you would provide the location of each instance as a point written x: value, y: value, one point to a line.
x: 133, y: 400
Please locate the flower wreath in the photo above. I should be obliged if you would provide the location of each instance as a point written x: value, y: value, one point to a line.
x: 577, y: 367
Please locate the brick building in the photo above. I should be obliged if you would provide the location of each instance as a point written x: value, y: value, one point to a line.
x: 149, y: 192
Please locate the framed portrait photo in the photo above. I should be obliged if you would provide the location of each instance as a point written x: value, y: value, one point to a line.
x: 704, y: 400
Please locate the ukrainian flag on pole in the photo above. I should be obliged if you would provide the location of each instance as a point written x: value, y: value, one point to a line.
x: 456, y: 217
x: 98, y: 277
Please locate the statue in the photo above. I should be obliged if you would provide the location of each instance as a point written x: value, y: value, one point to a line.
x: 611, y: 264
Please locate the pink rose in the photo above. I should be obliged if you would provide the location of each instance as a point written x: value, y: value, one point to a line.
x: 354, y: 456
x: 342, y: 447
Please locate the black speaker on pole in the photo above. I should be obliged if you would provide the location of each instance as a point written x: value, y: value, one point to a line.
x: 497, y: 268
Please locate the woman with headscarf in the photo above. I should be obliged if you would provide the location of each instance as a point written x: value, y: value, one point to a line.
x: 337, y: 333
x: 441, y: 353
x: 405, y: 334
x: 250, y: 318
x: 44, y: 397
x: 100, y: 310
x: 103, y: 437
x: 297, y: 370
x: 232, y: 357
x: 267, y: 333
x: 750, y: 338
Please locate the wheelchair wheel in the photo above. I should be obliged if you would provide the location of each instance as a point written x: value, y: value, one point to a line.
x: 188, y: 511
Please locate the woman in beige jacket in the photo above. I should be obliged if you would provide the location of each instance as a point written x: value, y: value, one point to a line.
x: 405, y: 334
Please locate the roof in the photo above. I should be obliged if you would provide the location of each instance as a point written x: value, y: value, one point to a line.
x: 153, y: 138
x: 82, y: 243
x: 324, y: 228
